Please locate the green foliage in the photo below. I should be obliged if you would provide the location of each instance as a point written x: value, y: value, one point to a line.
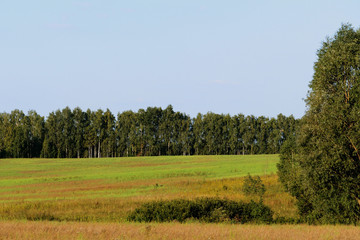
x: 291, y: 175
x: 153, y: 131
x: 21, y: 135
x: 202, y: 209
x: 321, y: 166
x: 254, y: 186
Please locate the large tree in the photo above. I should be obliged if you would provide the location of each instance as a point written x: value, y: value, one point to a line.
x: 325, y: 174
x: 109, y: 145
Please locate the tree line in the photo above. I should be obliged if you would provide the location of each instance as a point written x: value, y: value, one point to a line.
x: 155, y: 131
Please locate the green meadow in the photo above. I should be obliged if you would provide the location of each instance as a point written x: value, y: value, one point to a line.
x: 107, y: 189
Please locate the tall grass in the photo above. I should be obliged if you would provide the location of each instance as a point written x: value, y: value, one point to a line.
x: 192, y: 231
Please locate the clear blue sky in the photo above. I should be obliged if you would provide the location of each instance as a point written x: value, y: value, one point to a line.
x: 250, y: 57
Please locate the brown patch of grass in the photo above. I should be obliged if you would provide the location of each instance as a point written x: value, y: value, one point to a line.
x: 70, y: 230
x: 149, y: 164
x: 29, y: 172
x: 65, y: 189
x: 111, y: 210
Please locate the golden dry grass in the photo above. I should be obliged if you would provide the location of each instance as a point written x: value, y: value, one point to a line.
x: 117, y: 231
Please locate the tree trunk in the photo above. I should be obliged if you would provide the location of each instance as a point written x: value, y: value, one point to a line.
x: 99, y: 154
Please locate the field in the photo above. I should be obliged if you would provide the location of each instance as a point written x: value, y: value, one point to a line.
x: 107, y: 189
x: 193, y: 231
x: 90, y: 198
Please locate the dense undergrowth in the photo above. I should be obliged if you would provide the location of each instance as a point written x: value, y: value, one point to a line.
x: 203, y: 209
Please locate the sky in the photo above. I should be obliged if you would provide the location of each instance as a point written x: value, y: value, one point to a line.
x: 230, y: 57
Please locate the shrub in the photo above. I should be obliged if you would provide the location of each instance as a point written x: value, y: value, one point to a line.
x: 202, y: 209
x: 254, y: 186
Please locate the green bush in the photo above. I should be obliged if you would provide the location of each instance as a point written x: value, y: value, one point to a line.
x: 254, y: 186
x: 202, y: 209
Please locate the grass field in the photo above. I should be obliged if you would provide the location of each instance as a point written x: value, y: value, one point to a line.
x: 121, y: 231
x: 107, y: 189
x: 90, y: 198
